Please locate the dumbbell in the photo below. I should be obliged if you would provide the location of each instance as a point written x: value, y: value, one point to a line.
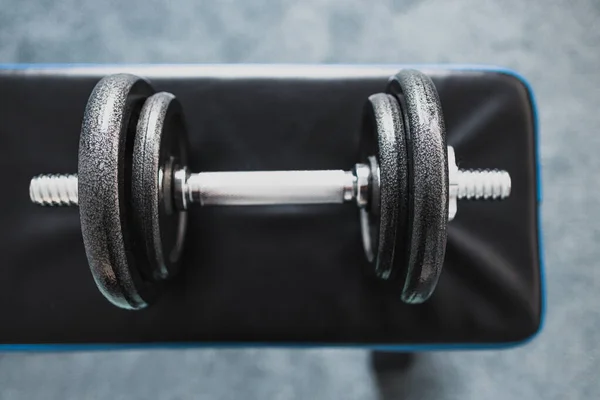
x: 133, y: 187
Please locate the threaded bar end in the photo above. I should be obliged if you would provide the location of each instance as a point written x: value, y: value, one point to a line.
x: 54, y: 190
x: 483, y: 184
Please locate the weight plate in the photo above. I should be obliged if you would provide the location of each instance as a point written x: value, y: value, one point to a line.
x: 104, y: 181
x: 160, y: 148
x: 383, y: 137
x: 427, y: 183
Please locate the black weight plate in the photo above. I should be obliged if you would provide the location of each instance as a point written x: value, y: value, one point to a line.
x: 160, y: 148
x: 383, y: 136
x: 104, y: 180
x: 427, y: 183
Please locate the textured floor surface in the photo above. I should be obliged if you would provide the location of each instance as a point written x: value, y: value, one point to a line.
x: 556, y: 44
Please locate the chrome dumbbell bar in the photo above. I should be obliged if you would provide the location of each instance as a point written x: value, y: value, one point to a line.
x: 285, y: 187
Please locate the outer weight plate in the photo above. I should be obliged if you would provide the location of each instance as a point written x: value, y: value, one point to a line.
x: 104, y: 180
x: 160, y: 147
x: 383, y: 136
x: 427, y: 184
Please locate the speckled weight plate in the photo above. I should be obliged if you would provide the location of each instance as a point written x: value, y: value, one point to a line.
x: 427, y: 183
x: 383, y: 137
x: 105, y: 153
x: 160, y: 148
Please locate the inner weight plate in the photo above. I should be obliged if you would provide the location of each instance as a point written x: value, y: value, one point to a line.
x: 104, y: 179
x: 160, y: 148
x: 383, y: 136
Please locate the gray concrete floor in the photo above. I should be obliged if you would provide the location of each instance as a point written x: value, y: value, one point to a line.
x: 556, y: 44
